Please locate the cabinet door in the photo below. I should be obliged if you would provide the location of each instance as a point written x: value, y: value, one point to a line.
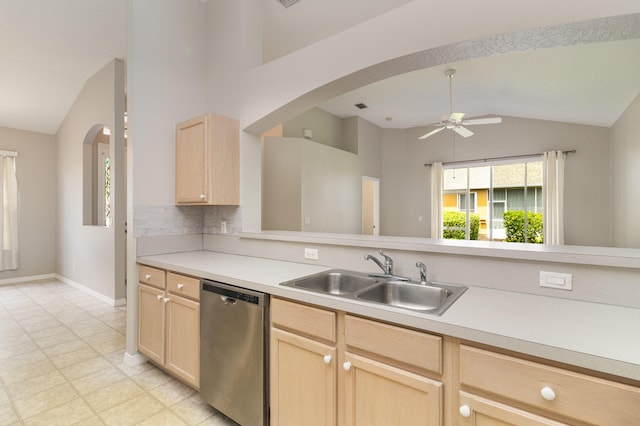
x: 183, y: 339
x: 379, y: 394
x: 151, y: 323
x: 192, y: 168
x: 303, y: 381
x: 477, y: 411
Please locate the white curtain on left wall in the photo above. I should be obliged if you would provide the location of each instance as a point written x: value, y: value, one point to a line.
x: 9, y: 213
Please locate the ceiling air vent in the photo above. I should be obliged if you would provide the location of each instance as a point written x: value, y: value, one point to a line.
x: 287, y: 3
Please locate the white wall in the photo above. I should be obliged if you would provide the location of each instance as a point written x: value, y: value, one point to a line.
x: 166, y: 63
x: 86, y: 255
x: 626, y: 175
x: 317, y: 187
x: 35, y: 172
x: 326, y: 129
x: 165, y: 72
x: 233, y: 46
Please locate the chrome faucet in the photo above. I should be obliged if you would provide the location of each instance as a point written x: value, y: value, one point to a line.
x: 423, y: 272
x: 387, y: 267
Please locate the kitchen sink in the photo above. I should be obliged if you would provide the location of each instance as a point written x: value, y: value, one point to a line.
x: 334, y: 282
x: 431, y: 298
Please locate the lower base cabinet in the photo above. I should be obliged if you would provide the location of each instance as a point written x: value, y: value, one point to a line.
x: 329, y: 367
x: 493, y: 384
x: 319, y: 378
x: 169, y: 322
x: 478, y: 411
x: 303, y: 381
x: 183, y: 339
x: 377, y: 394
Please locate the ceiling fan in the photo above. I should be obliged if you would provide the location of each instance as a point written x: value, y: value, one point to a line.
x: 454, y: 121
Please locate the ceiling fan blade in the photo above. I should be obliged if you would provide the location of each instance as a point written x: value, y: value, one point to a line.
x: 489, y: 120
x: 462, y: 131
x: 456, y: 117
x: 433, y: 132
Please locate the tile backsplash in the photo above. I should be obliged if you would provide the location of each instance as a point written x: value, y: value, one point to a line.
x: 151, y: 221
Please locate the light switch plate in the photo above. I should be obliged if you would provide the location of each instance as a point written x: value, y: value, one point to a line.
x: 556, y: 280
x: 310, y: 253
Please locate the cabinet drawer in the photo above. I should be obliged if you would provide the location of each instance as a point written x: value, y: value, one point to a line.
x: 577, y: 396
x: 183, y: 285
x: 411, y: 347
x: 152, y: 276
x: 304, y: 319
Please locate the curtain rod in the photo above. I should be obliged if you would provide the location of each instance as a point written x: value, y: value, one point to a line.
x: 509, y: 157
x: 8, y: 153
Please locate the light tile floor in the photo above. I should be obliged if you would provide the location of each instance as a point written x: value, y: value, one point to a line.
x: 61, y: 354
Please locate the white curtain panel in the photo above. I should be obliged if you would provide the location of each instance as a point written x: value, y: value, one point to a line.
x: 9, y: 213
x: 553, y: 197
x: 436, y: 200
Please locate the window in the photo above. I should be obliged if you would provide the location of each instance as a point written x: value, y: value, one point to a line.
x: 9, y: 213
x: 496, y: 202
x: 104, y: 185
x: 462, y: 202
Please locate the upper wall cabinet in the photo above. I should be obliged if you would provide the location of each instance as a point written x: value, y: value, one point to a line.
x: 208, y: 161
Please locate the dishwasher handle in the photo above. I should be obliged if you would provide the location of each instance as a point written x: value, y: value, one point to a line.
x: 228, y: 300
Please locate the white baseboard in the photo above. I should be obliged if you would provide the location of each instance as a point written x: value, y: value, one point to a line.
x: 27, y: 279
x: 133, y: 360
x: 99, y: 296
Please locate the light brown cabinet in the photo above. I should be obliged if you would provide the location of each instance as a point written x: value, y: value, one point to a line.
x: 386, y: 369
x: 330, y: 368
x: 169, y: 322
x: 151, y: 322
x: 478, y: 411
x: 511, y: 389
x: 303, y: 364
x: 303, y: 380
x: 208, y: 161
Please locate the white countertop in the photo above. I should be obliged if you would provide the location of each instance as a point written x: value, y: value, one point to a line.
x: 600, y: 337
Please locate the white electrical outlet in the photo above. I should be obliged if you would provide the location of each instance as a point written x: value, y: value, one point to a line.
x: 556, y: 280
x: 223, y: 227
x: 311, y: 254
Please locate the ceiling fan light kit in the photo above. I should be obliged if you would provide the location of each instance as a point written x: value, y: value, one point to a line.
x: 453, y: 121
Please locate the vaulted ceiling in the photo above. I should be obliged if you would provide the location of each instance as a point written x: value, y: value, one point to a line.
x: 48, y: 49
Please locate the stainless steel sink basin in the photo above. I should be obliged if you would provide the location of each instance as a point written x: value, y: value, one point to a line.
x: 432, y: 298
x: 334, y: 282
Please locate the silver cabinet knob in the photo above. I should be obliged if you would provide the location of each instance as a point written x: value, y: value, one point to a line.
x: 346, y: 366
x: 166, y: 300
x: 180, y: 286
x: 159, y: 297
x: 327, y: 359
x: 147, y: 276
x: 202, y: 196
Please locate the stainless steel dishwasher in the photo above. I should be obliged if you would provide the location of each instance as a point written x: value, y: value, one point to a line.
x: 234, y: 351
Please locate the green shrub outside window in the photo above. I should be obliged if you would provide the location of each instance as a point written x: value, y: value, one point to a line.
x: 514, y: 225
x: 455, y: 225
